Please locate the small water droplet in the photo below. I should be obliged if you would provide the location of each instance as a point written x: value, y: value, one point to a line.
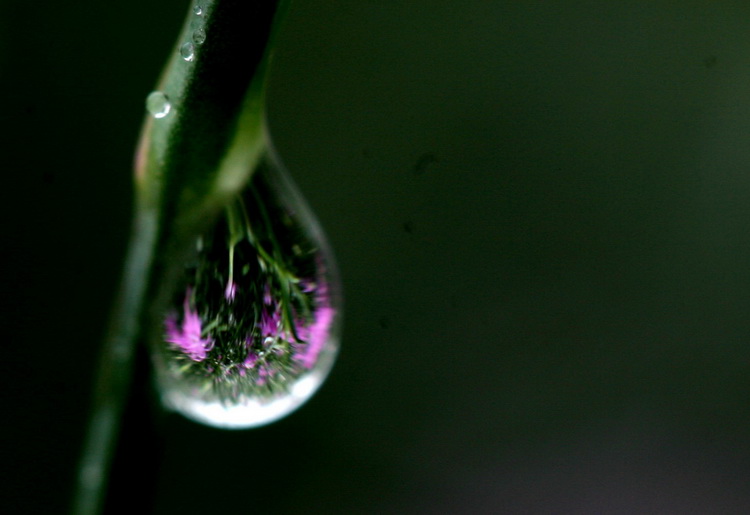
x: 199, y: 36
x: 252, y: 358
x: 187, y: 51
x: 198, y: 9
x: 157, y: 103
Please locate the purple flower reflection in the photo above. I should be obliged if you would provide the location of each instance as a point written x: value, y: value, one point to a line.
x: 230, y: 292
x: 187, y: 337
x: 270, y: 322
x: 315, y: 336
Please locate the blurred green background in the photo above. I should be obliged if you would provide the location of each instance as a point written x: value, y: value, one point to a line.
x: 541, y: 212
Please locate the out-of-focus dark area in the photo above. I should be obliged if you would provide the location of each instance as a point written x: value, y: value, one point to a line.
x: 542, y: 217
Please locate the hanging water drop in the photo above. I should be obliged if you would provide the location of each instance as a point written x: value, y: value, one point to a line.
x: 199, y: 36
x: 198, y: 9
x: 187, y: 51
x: 157, y: 103
x: 250, y: 330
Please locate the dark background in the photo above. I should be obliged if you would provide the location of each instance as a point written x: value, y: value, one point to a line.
x: 541, y: 215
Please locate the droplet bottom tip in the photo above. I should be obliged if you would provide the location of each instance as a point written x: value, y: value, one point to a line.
x: 247, y: 412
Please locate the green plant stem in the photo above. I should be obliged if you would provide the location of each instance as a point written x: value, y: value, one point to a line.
x: 115, y: 369
x: 190, y: 165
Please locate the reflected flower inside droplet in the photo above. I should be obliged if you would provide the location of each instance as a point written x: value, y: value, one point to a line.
x: 252, y: 330
x: 188, y: 337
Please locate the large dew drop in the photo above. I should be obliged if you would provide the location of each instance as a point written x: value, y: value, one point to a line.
x: 251, y: 330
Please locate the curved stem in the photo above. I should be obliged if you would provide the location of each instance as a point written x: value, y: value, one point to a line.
x: 218, y: 102
x: 114, y: 374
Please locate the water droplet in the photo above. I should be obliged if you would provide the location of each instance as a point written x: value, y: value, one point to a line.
x: 198, y: 9
x: 157, y: 103
x: 187, y: 51
x: 199, y: 36
x: 251, y: 326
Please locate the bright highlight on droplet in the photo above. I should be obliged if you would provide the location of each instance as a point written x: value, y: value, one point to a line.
x: 157, y: 103
x: 187, y: 51
x: 251, y: 329
x: 198, y: 10
x: 249, y: 412
x: 199, y: 36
